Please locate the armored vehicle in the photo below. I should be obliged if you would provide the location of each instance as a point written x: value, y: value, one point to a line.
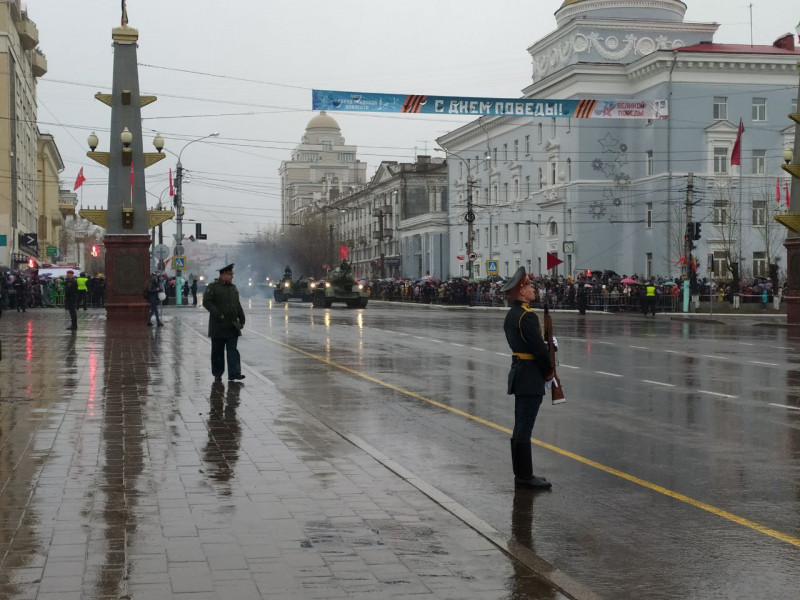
x: 339, y: 287
x: 287, y: 288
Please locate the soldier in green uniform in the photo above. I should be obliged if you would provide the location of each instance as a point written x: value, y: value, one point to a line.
x: 531, y: 373
x: 225, y: 322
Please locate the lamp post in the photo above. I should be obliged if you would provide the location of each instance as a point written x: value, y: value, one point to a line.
x: 178, y: 201
x: 469, y: 216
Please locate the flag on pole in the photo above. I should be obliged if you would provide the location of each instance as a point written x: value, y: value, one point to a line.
x: 778, y: 191
x: 124, y: 20
x: 787, y: 195
x: 344, y: 251
x: 553, y: 261
x: 736, y: 155
x: 171, y: 188
x: 79, y: 180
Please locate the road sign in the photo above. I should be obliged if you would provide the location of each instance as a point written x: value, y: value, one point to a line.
x: 472, y: 257
x: 179, y: 263
x: 492, y: 267
x: 28, y: 240
x: 3, y: 240
x: 161, y: 251
x: 52, y: 251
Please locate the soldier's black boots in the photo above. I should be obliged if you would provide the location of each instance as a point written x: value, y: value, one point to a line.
x: 523, y: 467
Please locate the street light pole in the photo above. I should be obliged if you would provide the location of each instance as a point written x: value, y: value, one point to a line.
x: 178, y: 201
x: 469, y: 217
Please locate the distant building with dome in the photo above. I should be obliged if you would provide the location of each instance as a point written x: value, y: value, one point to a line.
x: 322, y: 168
x: 612, y: 193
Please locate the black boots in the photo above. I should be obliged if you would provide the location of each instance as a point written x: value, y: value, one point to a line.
x: 523, y: 467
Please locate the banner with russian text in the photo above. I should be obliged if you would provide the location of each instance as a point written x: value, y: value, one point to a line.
x: 332, y: 100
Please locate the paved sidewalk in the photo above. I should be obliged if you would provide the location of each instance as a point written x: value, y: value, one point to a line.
x: 126, y: 473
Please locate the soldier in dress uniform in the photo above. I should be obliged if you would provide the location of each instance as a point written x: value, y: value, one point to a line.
x: 531, y: 373
x: 225, y: 322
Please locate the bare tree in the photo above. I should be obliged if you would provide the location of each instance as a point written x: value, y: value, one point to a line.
x: 769, y: 230
x: 726, y: 220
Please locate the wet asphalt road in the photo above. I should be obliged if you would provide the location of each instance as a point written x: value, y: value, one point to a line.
x: 675, y: 461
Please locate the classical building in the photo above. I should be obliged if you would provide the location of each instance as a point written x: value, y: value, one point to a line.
x: 321, y: 169
x: 22, y: 64
x: 397, y: 226
x: 48, y: 201
x: 612, y: 193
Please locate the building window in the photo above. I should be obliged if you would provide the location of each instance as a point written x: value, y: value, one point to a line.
x: 720, y: 160
x: 569, y: 222
x: 527, y: 144
x: 529, y: 226
x: 759, y: 109
x: 527, y: 185
x: 496, y: 237
x: 759, y: 213
x: 648, y: 267
x: 648, y: 163
x: 516, y: 232
x: 552, y: 172
x: 496, y: 199
x: 759, y: 162
x: 505, y: 151
x: 505, y: 193
x: 720, y: 213
x: 505, y: 227
x: 539, y: 129
x: 553, y: 127
x: 494, y: 156
x: 477, y: 238
x: 486, y: 236
x: 516, y: 149
x: 760, y: 264
x: 516, y: 190
x: 327, y: 145
x: 720, y: 108
x: 720, y: 263
x: 649, y: 220
x: 569, y: 169
x: 506, y: 265
x: 541, y: 178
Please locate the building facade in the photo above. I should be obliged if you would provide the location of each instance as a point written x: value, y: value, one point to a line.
x: 617, y: 194
x: 22, y: 64
x: 48, y: 201
x: 322, y: 168
x: 397, y: 226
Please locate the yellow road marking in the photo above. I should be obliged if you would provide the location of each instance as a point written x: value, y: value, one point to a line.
x: 577, y: 457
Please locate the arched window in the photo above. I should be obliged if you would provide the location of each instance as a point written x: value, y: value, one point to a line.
x: 552, y: 229
x: 569, y: 169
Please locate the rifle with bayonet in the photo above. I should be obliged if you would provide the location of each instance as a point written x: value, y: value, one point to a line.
x: 556, y: 389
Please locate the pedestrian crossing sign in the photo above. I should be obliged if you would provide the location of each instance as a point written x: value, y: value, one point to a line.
x: 179, y: 263
x: 492, y: 267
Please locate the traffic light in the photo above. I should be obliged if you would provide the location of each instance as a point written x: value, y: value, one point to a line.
x: 31, y: 263
x: 690, y: 230
x: 697, y: 231
x: 95, y: 250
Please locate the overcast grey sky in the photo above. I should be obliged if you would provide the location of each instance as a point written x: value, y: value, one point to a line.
x: 196, y: 54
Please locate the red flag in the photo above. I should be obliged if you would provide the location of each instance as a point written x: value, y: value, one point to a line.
x: 553, y: 261
x: 171, y: 188
x: 778, y: 191
x: 736, y: 155
x: 787, y: 194
x: 79, y: 180
x: 344, y: 251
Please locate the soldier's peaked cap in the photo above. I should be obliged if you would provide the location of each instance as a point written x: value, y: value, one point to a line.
x: 514, y: 280
x: 226, y: 269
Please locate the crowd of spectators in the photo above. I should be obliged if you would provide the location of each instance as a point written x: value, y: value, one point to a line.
x: 603, y: 291
x: 21, y: 290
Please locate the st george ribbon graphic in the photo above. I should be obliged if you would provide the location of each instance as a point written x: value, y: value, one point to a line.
x: 589, y: 108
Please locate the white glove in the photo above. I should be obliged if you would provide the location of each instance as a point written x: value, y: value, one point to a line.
x: 550, y: 383
x: 555, y: 342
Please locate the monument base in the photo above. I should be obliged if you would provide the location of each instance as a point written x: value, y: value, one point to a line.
x: 792, y: 297
x: 127, y: 270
